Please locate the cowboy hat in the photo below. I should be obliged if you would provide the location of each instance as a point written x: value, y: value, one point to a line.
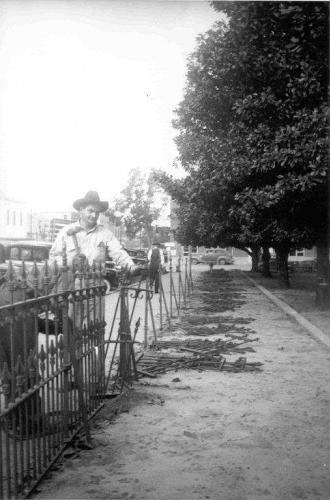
x: 93, y: 198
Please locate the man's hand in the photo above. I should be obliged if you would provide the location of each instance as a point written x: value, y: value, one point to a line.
x: 127, y: 273
x: 135, y: 270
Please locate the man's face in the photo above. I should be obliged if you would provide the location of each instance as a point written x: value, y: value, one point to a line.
x: 89, y: 215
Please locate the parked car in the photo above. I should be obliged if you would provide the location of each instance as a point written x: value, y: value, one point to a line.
x: 138, y: 255
x: 27, y: 250
x: 194, y: 256
x: 216, y: 256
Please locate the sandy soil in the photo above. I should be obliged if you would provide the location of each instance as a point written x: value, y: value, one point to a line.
x: 216, y: 435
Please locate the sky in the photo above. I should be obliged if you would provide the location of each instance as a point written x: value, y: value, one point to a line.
x: 87, y: 92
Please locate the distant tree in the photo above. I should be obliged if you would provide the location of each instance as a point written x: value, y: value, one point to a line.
x: 138, y: 204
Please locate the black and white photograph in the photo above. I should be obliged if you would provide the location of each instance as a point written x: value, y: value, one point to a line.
x: 164, y: 250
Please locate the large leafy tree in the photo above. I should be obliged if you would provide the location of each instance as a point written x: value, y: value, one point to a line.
x: 253, y: 126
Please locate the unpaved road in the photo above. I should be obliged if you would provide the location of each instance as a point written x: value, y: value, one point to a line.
x: 217, y: 435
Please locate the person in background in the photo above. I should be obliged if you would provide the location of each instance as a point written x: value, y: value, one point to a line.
x: 156, y: 262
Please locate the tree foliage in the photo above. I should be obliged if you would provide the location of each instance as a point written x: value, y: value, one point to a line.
x: 253, y: 128
x: 137, y: 205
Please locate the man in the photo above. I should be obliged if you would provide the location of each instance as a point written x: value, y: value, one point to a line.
x: 88, y: 239
x: 156, y: 262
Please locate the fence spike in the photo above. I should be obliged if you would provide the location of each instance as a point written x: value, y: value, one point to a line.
x: 93, y: 272
x: 10, y: 276
x: 20, y: 374
x: 19, y: 366
x: 5, y: 375
x: 60, y: 346
x: 31, y: 361
x: 6, y: 382
x: 35, y: 276
x: 64, y: 257
x: 55, y: 268
x: 23, y: 271
x: 52, y: 348
x: 42, y: 356
x: 60, y: 342
x: 84, y: 330
x: 52, y: 353
x: 46, y: 273
x: 81, y: 266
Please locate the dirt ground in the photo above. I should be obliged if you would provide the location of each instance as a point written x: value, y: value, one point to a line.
x: 216, y: 435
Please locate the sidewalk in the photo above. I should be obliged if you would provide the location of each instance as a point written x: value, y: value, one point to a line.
x: 301, y: 297
x: 217, y: 435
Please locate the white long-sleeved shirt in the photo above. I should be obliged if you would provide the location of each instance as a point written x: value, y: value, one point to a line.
x: 96, y: 244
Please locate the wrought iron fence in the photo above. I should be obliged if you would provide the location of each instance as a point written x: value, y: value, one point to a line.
x: 58, y: 362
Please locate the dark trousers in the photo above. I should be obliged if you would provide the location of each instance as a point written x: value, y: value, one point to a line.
x: 154, y: 277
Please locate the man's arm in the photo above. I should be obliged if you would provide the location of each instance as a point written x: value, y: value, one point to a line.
x: 118, y: 254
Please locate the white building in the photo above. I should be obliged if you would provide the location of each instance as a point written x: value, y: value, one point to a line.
x: 15, y: 218
x: 46, y: 225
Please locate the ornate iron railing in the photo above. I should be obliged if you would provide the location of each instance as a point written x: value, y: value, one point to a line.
x: 52, y: 366
x: 58, y: 363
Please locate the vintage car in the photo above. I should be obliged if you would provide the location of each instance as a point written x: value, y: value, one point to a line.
x: 215, y: 256
x: 138, y: 255
x: 112, y: 273
x: 28, y: 250
x: 38, y: 251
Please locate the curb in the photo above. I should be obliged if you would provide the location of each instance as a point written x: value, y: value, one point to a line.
x: 315, y: 332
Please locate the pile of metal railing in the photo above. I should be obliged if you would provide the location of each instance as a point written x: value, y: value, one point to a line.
x: 195, y: 354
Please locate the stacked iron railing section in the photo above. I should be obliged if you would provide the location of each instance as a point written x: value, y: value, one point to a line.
x: 52, y: 365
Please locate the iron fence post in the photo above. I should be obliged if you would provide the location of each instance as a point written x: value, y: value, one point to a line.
x: 160, y: 302
x: 185, y: 280
x: 65, y: 331
x: 189, y: 270
x: 124, y: 337
x: 171, y: 288
x: 146, y: 314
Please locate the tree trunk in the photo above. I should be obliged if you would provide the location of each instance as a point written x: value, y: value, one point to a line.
x: 282, y: 256
x: 323, y: 262
x: 322, y: 287
x: 255, y: 258
x: 265, y: 261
